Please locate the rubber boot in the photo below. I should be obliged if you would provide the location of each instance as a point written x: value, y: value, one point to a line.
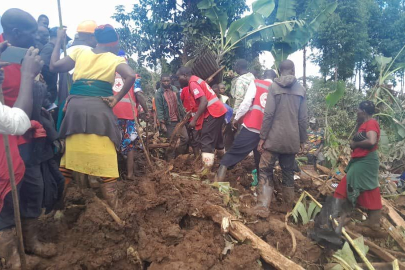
x: 264, y: 200
x: 208, y: 162
x: 221, y: 173
x: 325, y: 230
x: 288, y: 199
x: 110, y: 193
x: 31, y: 242
x: 9, y: 250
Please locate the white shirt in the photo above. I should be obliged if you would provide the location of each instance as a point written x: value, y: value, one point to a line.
x: 247, y: 103
x: 13, y: 121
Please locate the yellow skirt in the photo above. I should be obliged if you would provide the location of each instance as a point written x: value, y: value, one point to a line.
x: 90, y: 154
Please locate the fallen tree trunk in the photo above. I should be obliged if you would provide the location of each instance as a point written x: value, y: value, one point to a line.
x: 159, y: 145
x: 381, y: 253
x: 329, y: 172
x: 393, y: 231
x: 238, y: 230
x: 396, y: 218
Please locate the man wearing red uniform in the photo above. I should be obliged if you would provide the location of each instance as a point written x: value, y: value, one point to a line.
x: 190, y: 106
x: 211, y: 109
x: 251, y: 110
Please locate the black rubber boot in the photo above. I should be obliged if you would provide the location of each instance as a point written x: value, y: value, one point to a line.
x: 221, y: 173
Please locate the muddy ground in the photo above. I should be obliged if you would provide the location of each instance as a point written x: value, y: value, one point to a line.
x: 165, y: 228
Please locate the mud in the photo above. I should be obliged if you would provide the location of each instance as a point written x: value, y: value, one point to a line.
x: 164, y: 227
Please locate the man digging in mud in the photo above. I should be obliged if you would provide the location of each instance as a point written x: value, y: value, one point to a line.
x: 252, y: 112
x: 211, y: 109
x: 284, y: 130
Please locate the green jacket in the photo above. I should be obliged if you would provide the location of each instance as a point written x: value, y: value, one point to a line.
x: 162, y: 107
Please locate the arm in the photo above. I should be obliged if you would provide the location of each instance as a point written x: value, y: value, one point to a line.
x: 159, y: 107
x: 269, y: 111
x: 247, y: 102
x: 60, y: 65
x: 142, y: 100
x: 238, y: 95
x: 368, y: 143
x: 302, y: 120
x: 13, y: 121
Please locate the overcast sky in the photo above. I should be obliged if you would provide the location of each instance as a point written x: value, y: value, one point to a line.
x: 76, y: 11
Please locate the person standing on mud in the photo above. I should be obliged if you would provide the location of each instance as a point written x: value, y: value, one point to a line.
x: 126, y: 120
x: 90, y: 126
x: 239, y: 88
x: 20, y: 31
x: 251, y: 110
x: 194, y: 133
x: 211, y: 109
x: 284, y: 131
x: 170, y: 112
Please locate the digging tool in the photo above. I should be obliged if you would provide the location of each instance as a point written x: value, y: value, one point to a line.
x: 16, y: 203
x: 61, y: 27
x: 177, y: 130
x: 146, y: 151
x: 210, y: 78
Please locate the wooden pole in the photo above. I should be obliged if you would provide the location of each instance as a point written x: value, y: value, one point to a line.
x: 146, y: 151
x: 14, y: 193
x: 61, y: 27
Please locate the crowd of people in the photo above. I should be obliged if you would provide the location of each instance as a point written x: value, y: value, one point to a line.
x: 96, y: 99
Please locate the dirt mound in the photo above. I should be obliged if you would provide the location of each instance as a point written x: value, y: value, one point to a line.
x: 164, y: 227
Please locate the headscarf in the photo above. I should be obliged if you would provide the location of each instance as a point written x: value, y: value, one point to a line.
x: 106, y: 35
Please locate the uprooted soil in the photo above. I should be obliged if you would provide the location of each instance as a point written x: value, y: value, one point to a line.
x: 164, y: 227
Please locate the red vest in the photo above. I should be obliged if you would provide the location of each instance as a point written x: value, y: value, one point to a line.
x: 254, y: 117
x: 214, y: 107
x: 190, y: 106
x: 123, y: 109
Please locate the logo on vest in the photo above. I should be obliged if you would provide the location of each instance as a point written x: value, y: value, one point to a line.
x: 118, y: 84
x: 263, y: 100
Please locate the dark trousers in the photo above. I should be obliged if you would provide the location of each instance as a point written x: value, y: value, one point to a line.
x: 31, y: 194
x: 194, y: 136
x: 229, y: 136
x: 245, y: 142
x: 266, y: 167
x: 183, y: 133
x: 211, y: 134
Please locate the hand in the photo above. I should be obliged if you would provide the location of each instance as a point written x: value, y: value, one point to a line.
x: 235, y: 124
x: 193, y: 123
x: 61, y: 35
x: 260, y: 146
x: 110, y: 101
x: 163, y: 127
x: 32, y: 63
x: 302, y: 147
x: 3, y: 47
x: 352, y: 145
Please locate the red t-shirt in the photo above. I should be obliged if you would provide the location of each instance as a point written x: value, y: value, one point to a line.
x: 370, y: 125
x: 11, y: 84
x: 18, y: 166
x: 196, y: 92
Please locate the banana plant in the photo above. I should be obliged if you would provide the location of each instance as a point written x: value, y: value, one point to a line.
x: 391, y: 109
x: 252, y: 26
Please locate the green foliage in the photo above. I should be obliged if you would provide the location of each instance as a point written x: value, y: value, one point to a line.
x: 155, y: 30
x: 342, y: 116
x: 345, y: 256
x: 305, y: 210
x: 333, y: 98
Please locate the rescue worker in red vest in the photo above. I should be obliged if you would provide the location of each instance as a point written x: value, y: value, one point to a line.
x: 211, y: 109
x: 194, y: 133
x: 251, y: 111
x: 126, y: 120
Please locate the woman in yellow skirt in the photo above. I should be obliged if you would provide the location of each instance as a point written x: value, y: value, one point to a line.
x: 90, y: 127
